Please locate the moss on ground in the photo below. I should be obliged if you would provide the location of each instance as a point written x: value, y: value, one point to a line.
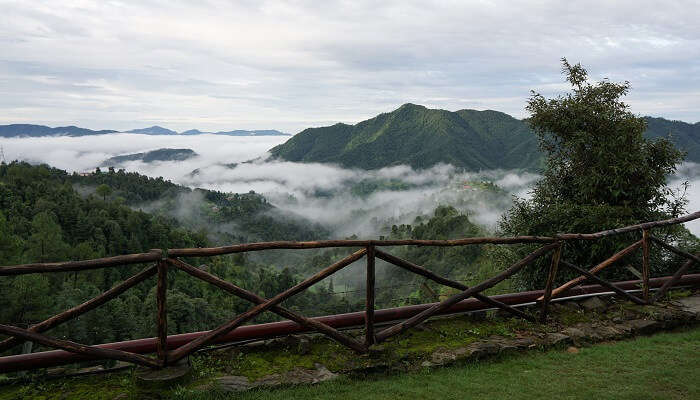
x: 280, y: 356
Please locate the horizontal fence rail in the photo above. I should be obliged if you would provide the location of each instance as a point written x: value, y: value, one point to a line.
x: 169, y: 351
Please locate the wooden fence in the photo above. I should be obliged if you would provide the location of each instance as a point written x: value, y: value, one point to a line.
x: 369, y: 249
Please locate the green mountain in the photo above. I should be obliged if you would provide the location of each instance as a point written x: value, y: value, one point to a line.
x: 29, y: 130
x: 685, y: 136
x: 422, y: 137
x: 151, y: 156
x: 419, y: 137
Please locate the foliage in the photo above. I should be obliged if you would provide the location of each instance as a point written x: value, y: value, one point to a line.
x: 227, y: 217
x: 601, y: 173
x: 468, y: 139
x: 44, y: 219
x: 419, y: 137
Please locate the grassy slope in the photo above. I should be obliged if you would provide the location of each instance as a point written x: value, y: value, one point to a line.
x: 663, y: 366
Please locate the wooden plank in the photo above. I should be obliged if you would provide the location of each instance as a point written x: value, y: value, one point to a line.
x: 417, y: 269
x: 445, y: 304
x: 192, y: 346
x: 674, y: 249
x: 674, y: 279
x: 82, y: 308
x: 553, y: 266
x: 576, y: 281
x: 602, y: 282
x: 369, y: 299
x: 84, y: 265
x: 281, y: 311
x: 631, y: 228
x: 78, y: 348
x: 162, y: 316
x: 645, y: 265
x: 238, y: 248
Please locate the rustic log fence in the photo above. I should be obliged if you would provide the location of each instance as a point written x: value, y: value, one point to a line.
x: 370, y: 249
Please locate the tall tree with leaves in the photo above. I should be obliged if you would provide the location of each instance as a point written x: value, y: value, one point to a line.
x: 600, y: 171
x: 104, y: 191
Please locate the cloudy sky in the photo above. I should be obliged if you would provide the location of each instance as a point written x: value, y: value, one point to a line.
x: 289, y: 65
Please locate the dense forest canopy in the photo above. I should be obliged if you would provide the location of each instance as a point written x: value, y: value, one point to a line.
x: 421, y: 137
x: 43, y: 218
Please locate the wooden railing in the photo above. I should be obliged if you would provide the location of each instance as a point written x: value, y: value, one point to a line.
x: 369, y: 249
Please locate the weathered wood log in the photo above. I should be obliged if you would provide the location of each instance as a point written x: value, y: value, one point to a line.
x: 674, y: 279
x: 551, y: 275
x: 77, y: 347
x: 82, y: 308
x: 369, y: 299
x: 279, y: 310
x: 153, y: 255
x: 631, y: 228
x: 417, y: 269
x: 674, y: 249
x: 192, y: 346
x: 602, y: 282
x: 645, y: 265
x: 617, y: 256
x: 238, y: 248
x: 162, y: 316
x: 422, y: 316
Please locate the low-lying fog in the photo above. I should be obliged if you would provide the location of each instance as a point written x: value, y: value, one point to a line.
x: 350, y: 201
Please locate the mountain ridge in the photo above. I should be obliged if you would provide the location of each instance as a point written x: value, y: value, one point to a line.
x: 33, y: 130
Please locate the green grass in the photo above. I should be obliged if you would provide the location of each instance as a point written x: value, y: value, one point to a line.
x: 665, y: 366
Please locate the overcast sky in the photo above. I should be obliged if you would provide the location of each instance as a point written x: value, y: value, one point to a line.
x: 218, y: 65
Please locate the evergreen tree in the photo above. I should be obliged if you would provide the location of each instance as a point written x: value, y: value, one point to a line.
x: 600, y: 173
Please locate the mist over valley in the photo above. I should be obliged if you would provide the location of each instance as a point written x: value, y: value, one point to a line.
x: 346, y: 201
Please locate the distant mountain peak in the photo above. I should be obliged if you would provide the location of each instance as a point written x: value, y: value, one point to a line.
x: 422, y: 137
x: 30, y: 130
x: 151, y: 156
x: 153, y: 130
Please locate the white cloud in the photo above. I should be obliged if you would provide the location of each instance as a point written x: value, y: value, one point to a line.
x: 223, y: 65
x: 321, y: 192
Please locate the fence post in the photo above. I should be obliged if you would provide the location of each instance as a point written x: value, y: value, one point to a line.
x: 369, y: 301
x: 550, y: 281
x: 162, y: 320
x: 645, y: 264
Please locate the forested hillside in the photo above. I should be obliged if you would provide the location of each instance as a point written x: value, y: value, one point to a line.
x: 43, y: 218
x: 419, y: 137
x: 226, y: 217
x: 468, y: 139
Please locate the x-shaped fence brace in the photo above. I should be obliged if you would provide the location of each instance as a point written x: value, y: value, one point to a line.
x: 166, y: 357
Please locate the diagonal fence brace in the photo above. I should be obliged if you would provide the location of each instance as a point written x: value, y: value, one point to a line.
x: 417, y: 269
x: 417, y: 319
x: 79, y: 348
x: 605, y: 283
x: 279, y: 310
x: 201, y: 341
x: 576, y: 281
x: 82, y: 308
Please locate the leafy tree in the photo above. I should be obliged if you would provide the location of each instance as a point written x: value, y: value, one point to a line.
x: 10, y: 244
x: 104, y: 191
x: 46, y: 242
x: 600, y: 172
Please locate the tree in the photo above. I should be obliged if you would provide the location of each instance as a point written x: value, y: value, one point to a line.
x: 104, y: 191
x: 46, y: 242
x: 600, y: 171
